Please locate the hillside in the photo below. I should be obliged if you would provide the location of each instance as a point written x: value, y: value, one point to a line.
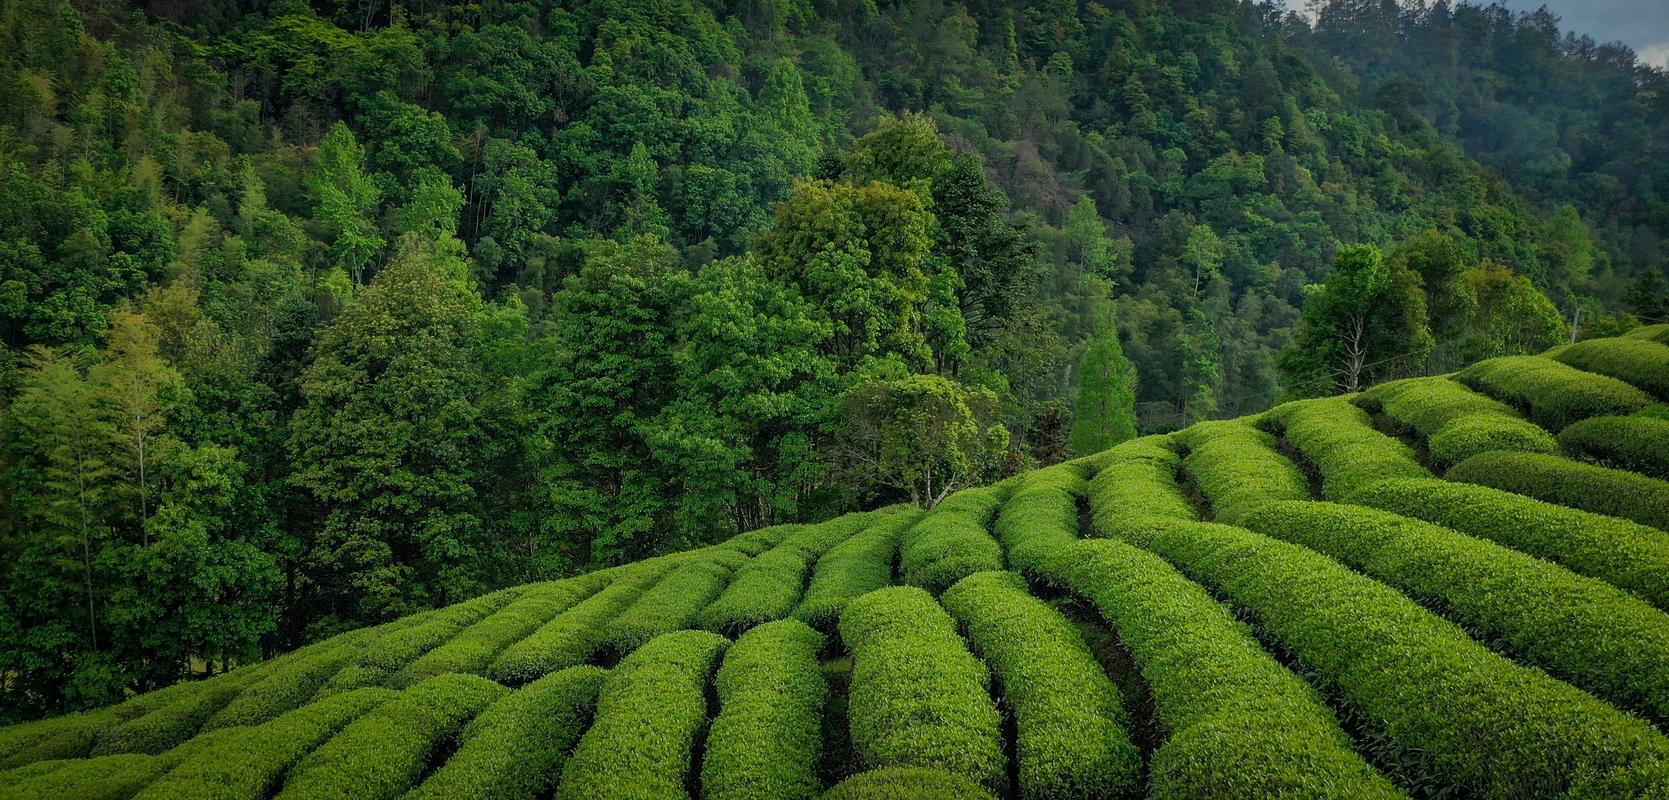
x: 1444, y: 586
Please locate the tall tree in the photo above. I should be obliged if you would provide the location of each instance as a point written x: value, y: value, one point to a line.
x: 1104, y: 411
x: 1363, y: 316
x: 387, y: 440
x: 346, y: 197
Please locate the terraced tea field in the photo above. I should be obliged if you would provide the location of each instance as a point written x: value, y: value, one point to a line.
x: 1454, y: 586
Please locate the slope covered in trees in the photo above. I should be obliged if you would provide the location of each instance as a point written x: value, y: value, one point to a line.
x: 1498, y: 627
x: 317, y: 315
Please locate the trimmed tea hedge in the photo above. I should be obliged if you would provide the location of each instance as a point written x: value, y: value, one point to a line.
x: 1040, y: 516
x: 574, y: 635
x: 111, y: 777
x: 475, y: 647
x: 516, y: 748
x: 1139, y: 484
x: 1636, y: 443
x: 673, y: 603
x: 767, y: 738
x: 952, y: 541
x: 251, y: 761
x: 1571, y: 483
x: 918, y: 697
x: 649, y: 713
x: 1343, y: 445
x: 1640, y: 362
x: 907, y: 783
x: 1072, y: 738
x: 1456, y: 422
x: 171, y: 724
x: 1239, y: 724
x: 852, y: 568
x: 288, y: 685
x: 1238, y: 469
x: 1583, y: 630
x: 391, y: 653
x: 769, y: 586
x: 1625, y: 554
x: 381, y: 754
x: 1482, y: 724
x: 1656, y: 333
x: 1552, y: 393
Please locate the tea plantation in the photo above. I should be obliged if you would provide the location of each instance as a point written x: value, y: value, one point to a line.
x: 1455, y: 586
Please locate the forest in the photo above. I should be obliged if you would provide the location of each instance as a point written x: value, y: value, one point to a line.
x: 319, y: 314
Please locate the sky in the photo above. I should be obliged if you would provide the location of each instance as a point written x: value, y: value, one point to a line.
x: 1640, y: 24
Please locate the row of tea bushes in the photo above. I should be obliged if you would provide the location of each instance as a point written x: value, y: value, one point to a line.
x: 1238, y: 469
x: 649, y: 712
x: 574, y: 635
x: 771, y: 585
x: 474, y: 648
x: 516, y: 749
x: 1455, y: 422
x: 1583, y: 630
x: 952, y: 540
x: 1041, y: 515
x: 1639, y: 362
x: 1636, y: 443
x: 382, y: 754
x: 1551, y: 393
x: 1625, y: 554
x: 768, y: 736
x: 857, y: 566
x: 1340, y: 442
x: 1555, y: 479
x: 1072, y: 734
x: 918, y: 698
x: 1478, y: 724
x: 673, y: 603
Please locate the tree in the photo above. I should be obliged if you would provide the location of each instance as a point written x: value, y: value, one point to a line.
x: 1104, y: 411
x: 612, y: 373
x: 1363, y: 315
x: 1513, y: 316
x: 742, y: 435
x: 925, y: 435
x: 347, y: 199
x: 136, y: 388
x: 386, y: 443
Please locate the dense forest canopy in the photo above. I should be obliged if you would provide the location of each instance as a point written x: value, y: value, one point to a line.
x: 316, y: 314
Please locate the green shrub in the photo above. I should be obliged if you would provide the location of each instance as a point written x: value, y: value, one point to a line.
x: 288, y: 685
x: 951, y: 541
x: 907, y: 783
x: 754, y: 542
x: 649, y: 713
x: 249, y: 762
x: 1655, y: 333
x: 1640, y: 362
x: 1239, y: 724
x: 1343, y: 445
x: 516, y: 748
x: 768, y: 736
x: 857, y: 566
x: 1570, y: 483
x: 769, y: 586
x: 475, y: 647
x: 918, y: 697
x: 1636, y: 443
x: 381, y: 754
x: 574, y: 635
x: 1072, y: 736
x: 1551, y: 393
x: 68, y: 736
x: 1041, y: 515
x: 392, y: 652
x: 110, y: 777
x: 1583, y: 630
x: 1138, y: 483
x: 674, y: 602
x: 1238, y: 468
x: 1456, y: 422
x: 1625, y: 554
x: 1479, y: 724
x: 171, y: 724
